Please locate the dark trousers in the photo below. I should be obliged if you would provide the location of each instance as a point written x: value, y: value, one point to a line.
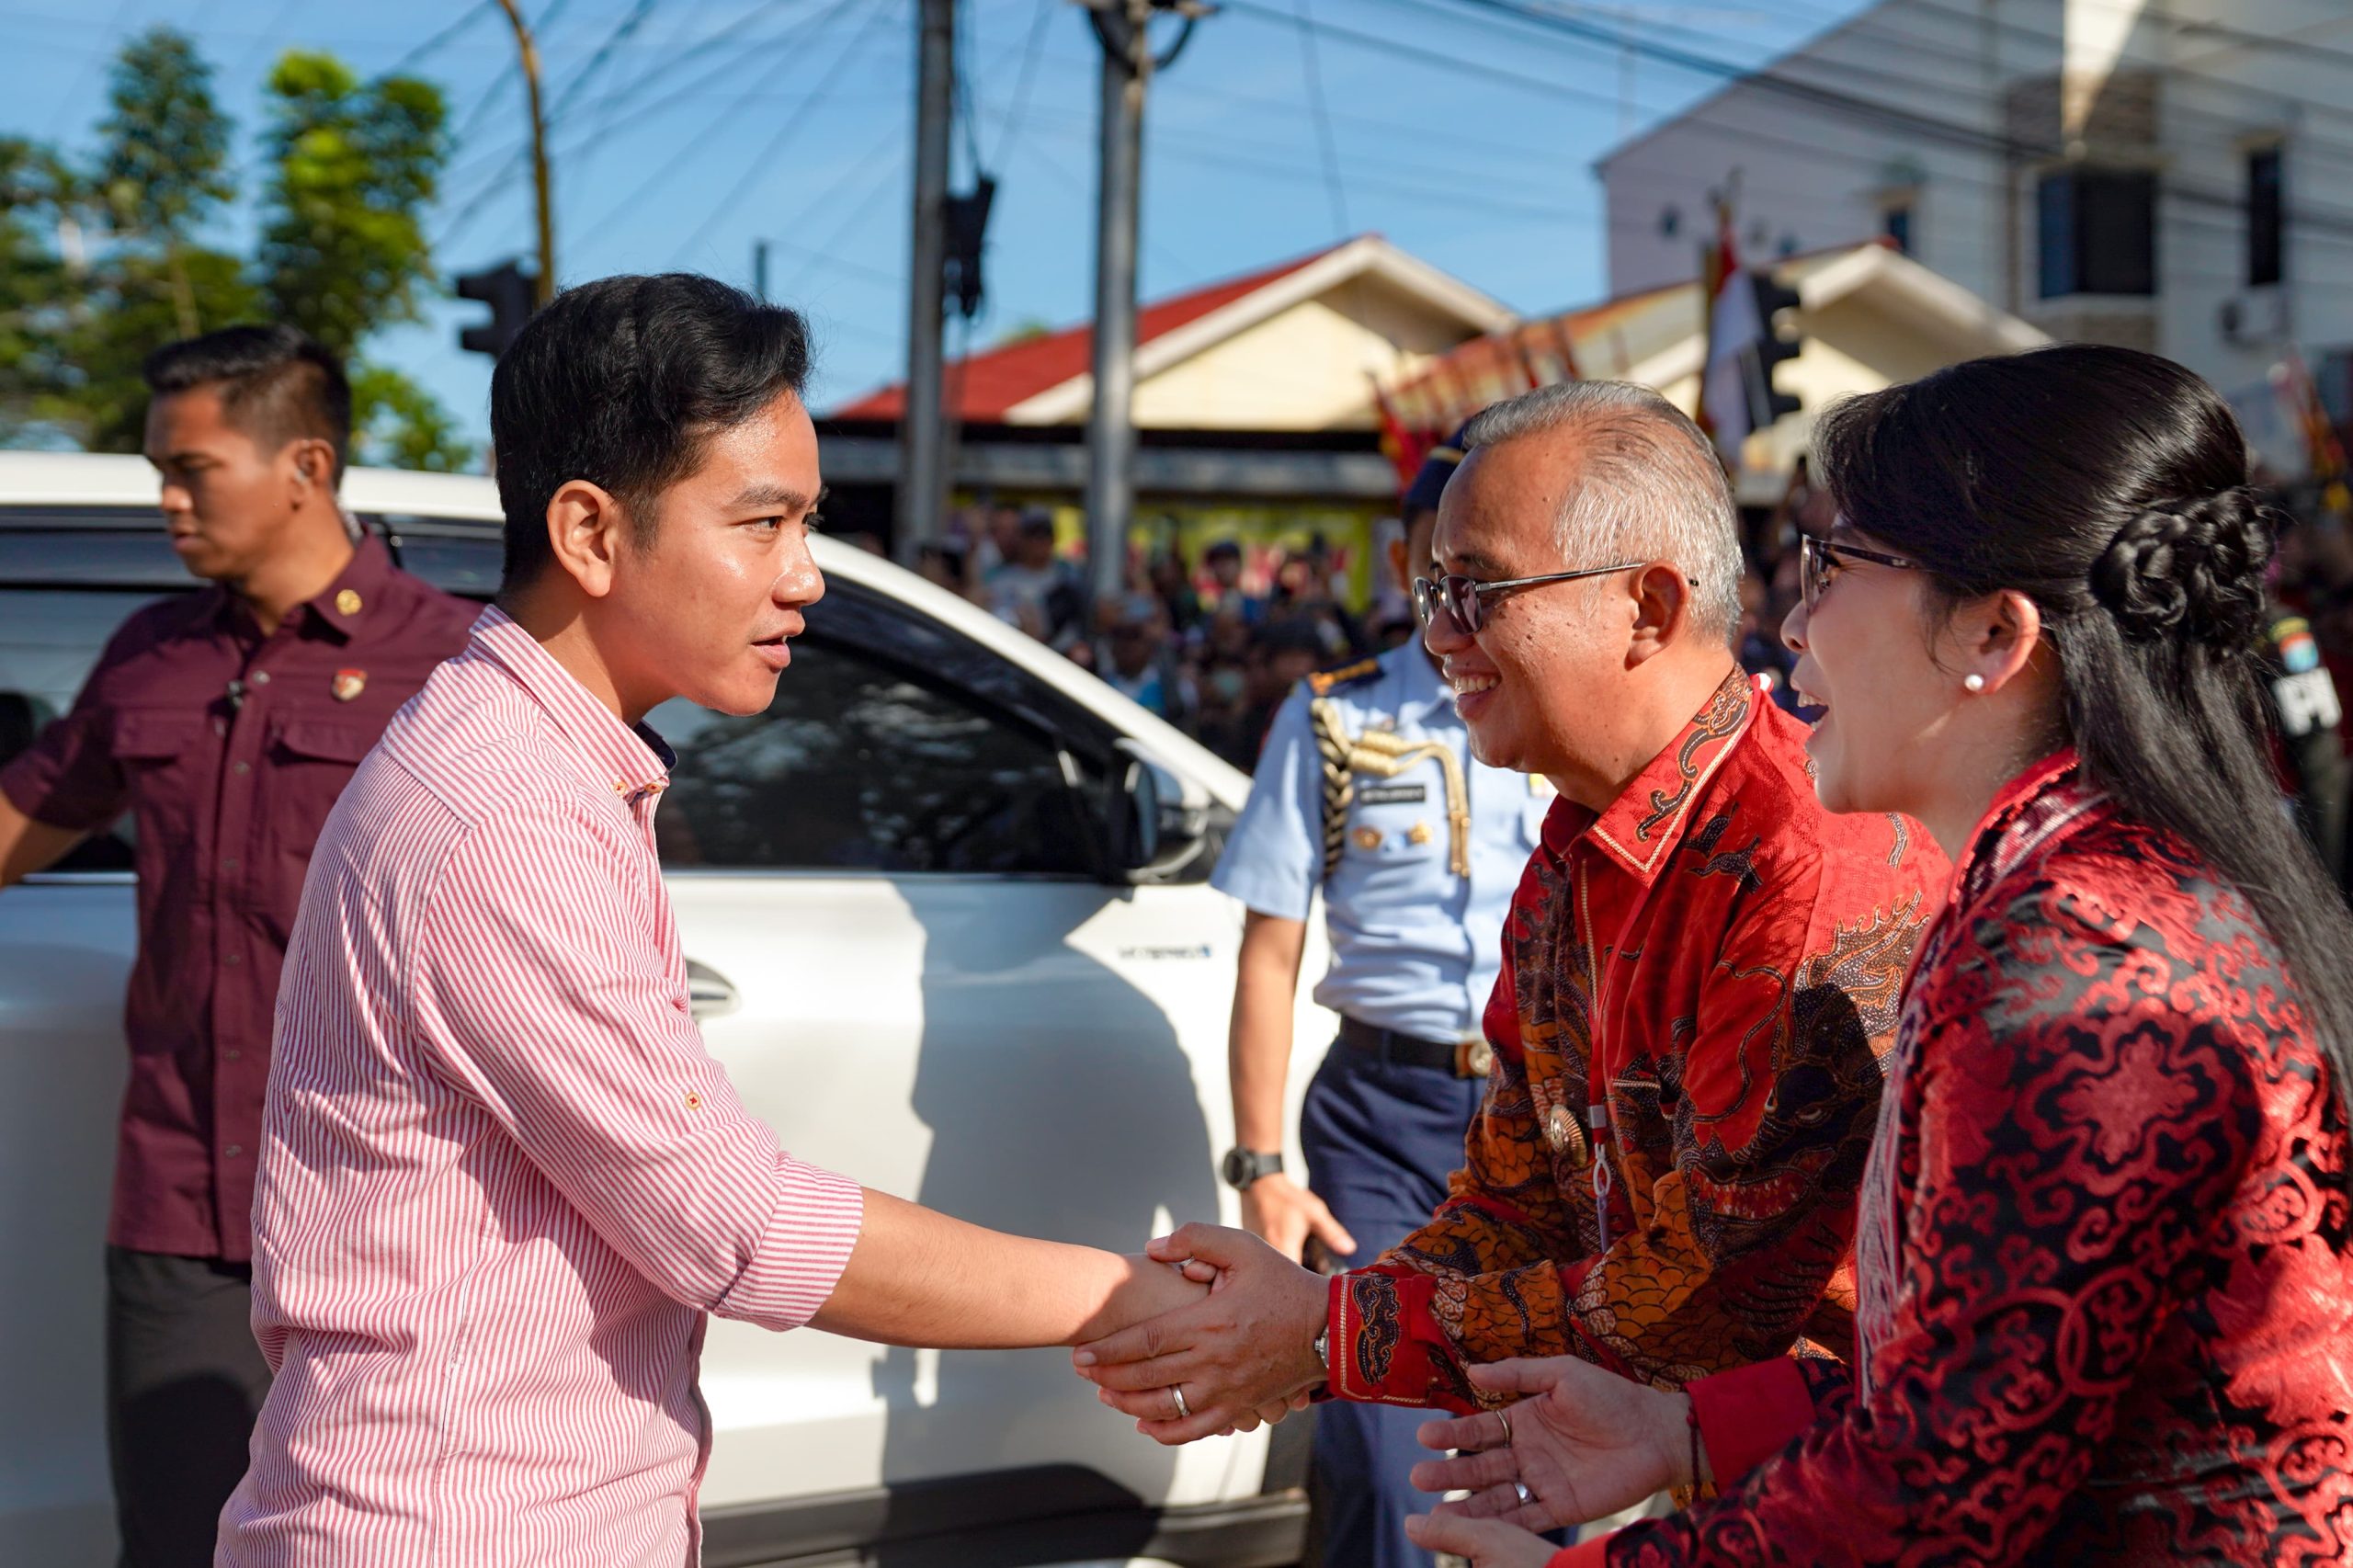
x: 184, y: 1382
x: 1380, y: 1141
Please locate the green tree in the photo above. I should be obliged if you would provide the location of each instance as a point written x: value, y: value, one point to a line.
x: 398, y: 424
x: 352, y: 165
x: 163, y: 167
x: 98, y: 264
x: 343, y: 251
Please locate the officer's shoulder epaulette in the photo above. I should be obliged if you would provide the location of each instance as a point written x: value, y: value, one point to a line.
x: 1324, y: 682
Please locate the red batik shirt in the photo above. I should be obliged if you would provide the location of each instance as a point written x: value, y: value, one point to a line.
x: 1698, y: 986
x: 2107, y: 1255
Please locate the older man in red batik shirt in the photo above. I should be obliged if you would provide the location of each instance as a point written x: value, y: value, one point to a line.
x: 1701, y: 977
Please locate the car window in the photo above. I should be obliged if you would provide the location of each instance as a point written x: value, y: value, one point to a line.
x: 457, y: 556
x: 867, y: 763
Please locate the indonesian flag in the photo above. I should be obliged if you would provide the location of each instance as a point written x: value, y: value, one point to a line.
x: 1733, y: 328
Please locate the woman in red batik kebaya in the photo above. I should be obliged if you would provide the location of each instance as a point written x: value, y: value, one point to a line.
x: 2107, y: 1310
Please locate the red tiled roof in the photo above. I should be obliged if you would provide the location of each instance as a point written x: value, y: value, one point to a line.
x: 994, y: 380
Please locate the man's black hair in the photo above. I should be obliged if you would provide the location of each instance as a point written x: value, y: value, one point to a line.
x: 277, y: 385
x: 621, y: 382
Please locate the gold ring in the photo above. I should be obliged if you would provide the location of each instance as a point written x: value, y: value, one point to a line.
x: 1506, y: 1421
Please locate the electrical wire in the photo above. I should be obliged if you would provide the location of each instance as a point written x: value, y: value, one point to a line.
x: 433, y: 45
x: 1314, y: 77
x: 763, y: 162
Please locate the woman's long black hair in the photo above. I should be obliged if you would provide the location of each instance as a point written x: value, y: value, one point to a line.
x: 2109, y: 486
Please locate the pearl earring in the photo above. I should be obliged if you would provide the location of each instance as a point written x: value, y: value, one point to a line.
x: 1974, y: 684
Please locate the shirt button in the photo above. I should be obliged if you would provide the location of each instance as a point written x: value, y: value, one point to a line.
x: 233, y: 1150
x: 261, y: 678
x: 240, y: 768
x: 220, y: 726
x: 231, y: 960
x: 234, y: 1054
x: 230, y: 864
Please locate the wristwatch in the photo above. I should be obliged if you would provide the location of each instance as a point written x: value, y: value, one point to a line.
x: 1242, y: 1166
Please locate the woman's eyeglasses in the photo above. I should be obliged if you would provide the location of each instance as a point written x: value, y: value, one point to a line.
x: 1465, y: 598
x: 1820, y: 561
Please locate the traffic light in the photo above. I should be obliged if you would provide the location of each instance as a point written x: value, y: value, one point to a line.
x: 968, y: 227
x: 507, y: 290
x: 1769, y: 403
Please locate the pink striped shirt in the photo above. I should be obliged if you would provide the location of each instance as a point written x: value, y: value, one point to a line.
x: 500, y: 1181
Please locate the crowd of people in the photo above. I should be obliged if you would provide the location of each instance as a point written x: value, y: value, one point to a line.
x: 1213, y: 645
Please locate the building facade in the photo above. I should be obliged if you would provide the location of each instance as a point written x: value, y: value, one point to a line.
x: 2172, y: 175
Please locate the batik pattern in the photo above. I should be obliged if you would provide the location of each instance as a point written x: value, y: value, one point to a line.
x: 1715, y: 963
x: 2108, y: 1303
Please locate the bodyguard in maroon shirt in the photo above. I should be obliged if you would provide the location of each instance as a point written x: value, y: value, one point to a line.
x: 225, y: 722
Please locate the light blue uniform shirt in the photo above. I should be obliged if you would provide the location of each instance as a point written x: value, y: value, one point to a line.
x: 1415, y: 947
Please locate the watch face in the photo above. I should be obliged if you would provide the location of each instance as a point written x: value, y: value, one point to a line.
x: 1242, y: 1166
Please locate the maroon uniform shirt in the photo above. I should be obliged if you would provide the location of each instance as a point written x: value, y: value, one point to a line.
x: 228, y: 748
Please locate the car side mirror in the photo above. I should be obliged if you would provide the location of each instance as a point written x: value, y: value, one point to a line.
x: 1163, y: 825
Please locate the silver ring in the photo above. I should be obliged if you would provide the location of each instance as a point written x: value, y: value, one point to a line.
x: 1183, y: 1412
x: 1525, y: 1496
x: 1506, y: 1421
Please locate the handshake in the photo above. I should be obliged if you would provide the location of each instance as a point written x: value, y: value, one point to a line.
x: 1578, y: 1443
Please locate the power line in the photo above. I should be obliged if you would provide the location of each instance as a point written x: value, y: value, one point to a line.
x: 630, y: 23
x: 423, y: 51
x: 1330, y: 151
x: 606, y: 125
x: 1927, y: 127
x: 1011, y: 134
x: 763, y: 162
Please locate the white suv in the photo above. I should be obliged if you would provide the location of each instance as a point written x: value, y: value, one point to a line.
x: 948, y: 922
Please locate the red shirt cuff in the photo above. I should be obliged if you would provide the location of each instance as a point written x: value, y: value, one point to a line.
x: 1386, y: 1347
x: 1749, y: 1415
x: 1593, y: 1553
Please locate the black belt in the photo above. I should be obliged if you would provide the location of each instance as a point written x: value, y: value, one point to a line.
x: 1465, y: 1059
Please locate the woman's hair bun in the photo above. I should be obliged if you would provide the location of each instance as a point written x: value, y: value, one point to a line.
x: 2190, y: 568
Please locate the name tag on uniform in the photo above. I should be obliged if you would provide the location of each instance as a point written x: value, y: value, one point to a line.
x: 1391, y: 794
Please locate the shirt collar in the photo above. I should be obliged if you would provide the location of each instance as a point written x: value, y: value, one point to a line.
x: 2043, y: 798
x: 346, y: 605
x: 1643, y: 823
x: 631, y: 756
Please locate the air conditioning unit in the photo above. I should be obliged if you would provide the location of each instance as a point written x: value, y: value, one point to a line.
x: 2257, y: 317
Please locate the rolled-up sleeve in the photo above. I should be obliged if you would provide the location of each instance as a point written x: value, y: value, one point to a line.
x: 68, y: 777
x: 540, y: 995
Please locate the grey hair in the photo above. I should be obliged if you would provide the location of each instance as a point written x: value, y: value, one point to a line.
x: 1651, y: 487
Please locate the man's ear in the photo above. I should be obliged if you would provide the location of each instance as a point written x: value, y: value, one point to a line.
x: 584, y: 523
x: 312, y: 461
x: 1662, y: 610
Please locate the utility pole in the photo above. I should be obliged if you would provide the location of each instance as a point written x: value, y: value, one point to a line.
x: 543, y: 286
x: 922, y: 479
x: 1121, y: 27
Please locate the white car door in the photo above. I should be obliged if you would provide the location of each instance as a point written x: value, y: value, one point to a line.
x: 891, y: 888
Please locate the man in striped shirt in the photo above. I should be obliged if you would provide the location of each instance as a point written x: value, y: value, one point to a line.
x: 502, y: 1183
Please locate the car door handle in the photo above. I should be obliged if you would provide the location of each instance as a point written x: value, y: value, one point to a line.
x: 709, y: 994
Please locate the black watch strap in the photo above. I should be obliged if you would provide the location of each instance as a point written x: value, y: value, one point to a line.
x: 1242, y: 1166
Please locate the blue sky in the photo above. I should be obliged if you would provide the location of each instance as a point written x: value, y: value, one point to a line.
x: 717, y: 122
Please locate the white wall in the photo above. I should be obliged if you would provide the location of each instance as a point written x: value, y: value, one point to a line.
x: 1817, y: 175
x: 1813, y: 175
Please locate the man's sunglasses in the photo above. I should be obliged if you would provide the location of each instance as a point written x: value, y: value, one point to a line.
x: 1465, y: 598
x: 1819, y: 562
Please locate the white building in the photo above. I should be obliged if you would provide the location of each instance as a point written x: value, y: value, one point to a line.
x: 2174, y: 175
